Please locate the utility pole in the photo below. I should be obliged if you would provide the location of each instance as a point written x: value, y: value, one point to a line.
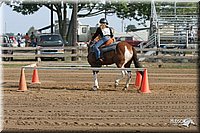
x: 122, y: 25
x: 104, y: 2
x: 5, y: 28
x: 105, y: 10
x: 51, y: 18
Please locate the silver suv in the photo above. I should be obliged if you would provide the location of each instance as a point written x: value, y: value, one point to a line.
x: 51, y: 44
x: 5, y: 42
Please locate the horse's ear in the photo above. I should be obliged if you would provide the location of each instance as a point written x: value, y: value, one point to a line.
x: 88, y: 43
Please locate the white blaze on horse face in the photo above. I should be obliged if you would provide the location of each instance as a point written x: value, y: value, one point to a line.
x: 127, y: 55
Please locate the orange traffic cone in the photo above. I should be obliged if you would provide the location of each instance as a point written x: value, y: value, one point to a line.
x: 138, y: 79
x: 22, y: 81
x: 145, y: 83
x: 35, y: 78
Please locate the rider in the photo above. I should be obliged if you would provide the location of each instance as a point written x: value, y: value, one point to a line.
x: 105, y: 33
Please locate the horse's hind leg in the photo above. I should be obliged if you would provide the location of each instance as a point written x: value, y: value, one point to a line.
x: 128, y: 73
x: 118, y: 80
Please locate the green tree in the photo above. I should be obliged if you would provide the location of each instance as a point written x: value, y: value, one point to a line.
x: 137, y: 10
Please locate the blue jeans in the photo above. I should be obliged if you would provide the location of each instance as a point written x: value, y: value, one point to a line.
x: 98, y: 44
x: 33, y: 43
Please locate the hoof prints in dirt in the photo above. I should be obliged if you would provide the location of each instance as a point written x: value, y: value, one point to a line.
x: 62, y: 104
x: 49, y: 110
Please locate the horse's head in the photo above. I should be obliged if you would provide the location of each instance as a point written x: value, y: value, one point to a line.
x: 91, y: 56
x: 89, y: 46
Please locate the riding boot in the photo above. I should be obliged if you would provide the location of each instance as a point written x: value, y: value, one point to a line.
x: 101, y: 57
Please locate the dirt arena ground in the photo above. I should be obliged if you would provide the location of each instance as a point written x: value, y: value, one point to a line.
x: 64, y: 100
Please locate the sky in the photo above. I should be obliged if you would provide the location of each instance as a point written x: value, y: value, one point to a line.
x: 1, y: 22
x: 14, y: 22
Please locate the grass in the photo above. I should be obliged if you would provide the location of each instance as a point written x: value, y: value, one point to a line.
x: 171, y: 65
x: 14, y: 65
x: 183, y: 67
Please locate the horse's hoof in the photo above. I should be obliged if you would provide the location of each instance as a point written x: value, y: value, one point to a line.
x: 95, y: 88
x: 116, y: 84
x: 125, y: 89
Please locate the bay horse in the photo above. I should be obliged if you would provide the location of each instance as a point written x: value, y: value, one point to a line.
x: 123, y: 54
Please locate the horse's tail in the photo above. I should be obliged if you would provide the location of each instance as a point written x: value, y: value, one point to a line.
x: 135, y: 59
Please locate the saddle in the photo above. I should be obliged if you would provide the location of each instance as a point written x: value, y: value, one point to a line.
x: 105, y: 48
x: 108, y: 48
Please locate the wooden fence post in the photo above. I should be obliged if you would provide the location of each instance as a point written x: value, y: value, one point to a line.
x: 38, y: 53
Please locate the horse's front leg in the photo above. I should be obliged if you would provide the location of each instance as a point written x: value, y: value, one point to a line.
x: 129, y: 75
x: 120, y: 78
x: 96, y: 85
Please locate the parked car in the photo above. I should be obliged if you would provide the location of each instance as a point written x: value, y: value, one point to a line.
x: 5, y: 42
x: 130, y: 39
x: 51, y: 44
x: 82, y: 44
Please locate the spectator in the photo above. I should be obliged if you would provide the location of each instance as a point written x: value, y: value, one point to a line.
x: 33, y: 39
x: 191, y: 33
x: 18, y: 38
x: 27, y: 39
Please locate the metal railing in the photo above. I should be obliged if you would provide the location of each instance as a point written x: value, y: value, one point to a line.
x: 177, y: 34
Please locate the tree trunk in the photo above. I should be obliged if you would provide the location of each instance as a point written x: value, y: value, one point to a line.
x: 74, y: 30
x: 62, y: 20
x: 69, y: 36
x: 59, y: 14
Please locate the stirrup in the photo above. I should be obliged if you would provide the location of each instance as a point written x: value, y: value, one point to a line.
x: 99, y: 61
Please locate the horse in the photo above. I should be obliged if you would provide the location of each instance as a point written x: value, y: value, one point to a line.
x: 120, y: 53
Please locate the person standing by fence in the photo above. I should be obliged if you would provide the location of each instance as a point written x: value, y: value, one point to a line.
x: 18, y: 38
x: 33, y: 39
x: 27, y: 39
x: 191, y: 33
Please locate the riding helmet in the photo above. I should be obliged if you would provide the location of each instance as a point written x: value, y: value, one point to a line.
x: 103, y: 20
